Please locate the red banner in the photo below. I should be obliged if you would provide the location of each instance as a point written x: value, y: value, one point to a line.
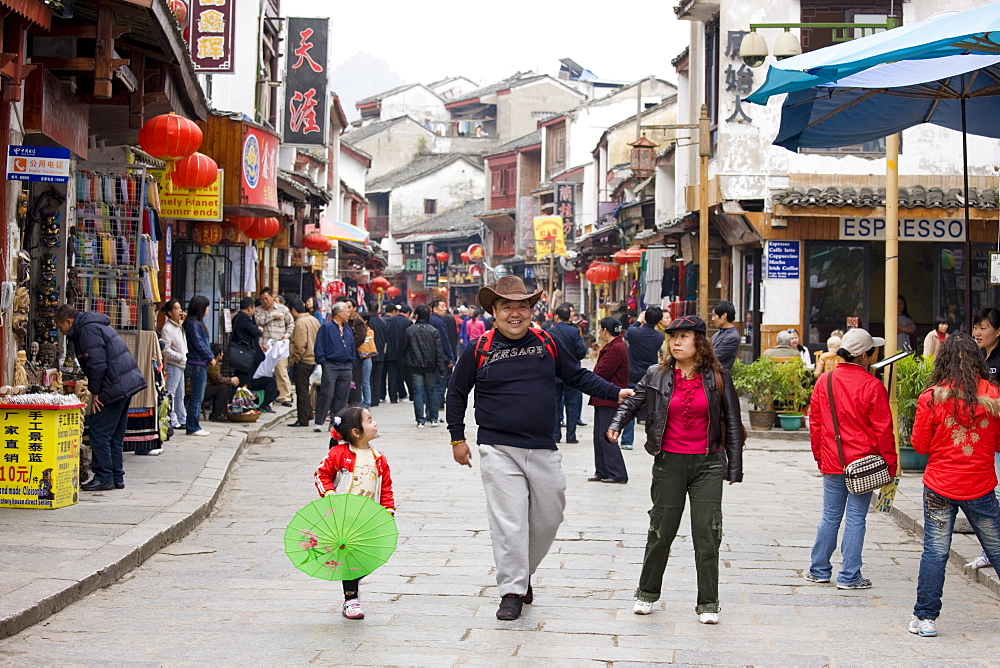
x: 259, y: 173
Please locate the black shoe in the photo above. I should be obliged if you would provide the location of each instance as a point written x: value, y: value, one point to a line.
x: 287, y: 404
x: 595, y: 478
x: 298, y: 424
x: 570, y: 441
x: 94, y: 486
x: 528, y: 598
x: 617, y: 481
x: 510, y: 607
x: 581, y: 423
x: 121, y: 485
x: 266, y: 409
x: 217, y: 418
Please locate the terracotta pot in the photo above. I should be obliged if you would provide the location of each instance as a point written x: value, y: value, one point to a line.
x: 761, y: 420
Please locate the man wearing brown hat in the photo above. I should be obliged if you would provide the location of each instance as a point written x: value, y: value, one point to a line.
x: 514, y: 369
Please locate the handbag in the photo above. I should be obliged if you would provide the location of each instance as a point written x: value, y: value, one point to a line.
x: 862, y: 475
x: 241, y: 356
x: 367, y: 349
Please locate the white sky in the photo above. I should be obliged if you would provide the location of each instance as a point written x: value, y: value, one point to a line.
x: 428, y: 40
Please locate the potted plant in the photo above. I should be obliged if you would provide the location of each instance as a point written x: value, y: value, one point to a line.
x: 792, y: 392
x: 913, y: 376
x: 758, y: 382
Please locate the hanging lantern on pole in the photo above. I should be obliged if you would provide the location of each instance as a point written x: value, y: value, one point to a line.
x: 316, y: 241
x: 392, y: 291
x: 170, y: 137
x: 380, y: 284
x: 179, y: 9
x: 464, y: 256
x: 261, y: 228
x: 206, y: 235
x: 442, y: 256
x: 195, y: 171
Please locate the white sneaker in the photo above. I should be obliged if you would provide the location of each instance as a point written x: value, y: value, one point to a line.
x: 708, y: 618
x: 642, y: 608
x: 153, y: 453
x: 352, y: 609
x: 177, y: 426
x: 317, y: 428
x: 200, y: 432
x: 434, y: 423
x: 925, y: 628
x: 982, y: 561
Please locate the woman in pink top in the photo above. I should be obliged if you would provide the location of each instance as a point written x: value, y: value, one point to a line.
x: 475, y: 327
x: 693, y: 430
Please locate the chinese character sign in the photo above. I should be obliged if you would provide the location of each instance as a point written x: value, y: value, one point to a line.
x: 739, y: 81
x: 40, y: 450
x: 212, y: 35
x: 432, y: 268
x: 259, y: 173
x: 306, y: 104
x: 549, y: 236
x: 566, y: 208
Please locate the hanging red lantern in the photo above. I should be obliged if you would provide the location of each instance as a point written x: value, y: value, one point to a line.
x: 195, y: 171
x: 179, y: 9
x: 392, y: 291
x: 380, y: 284
x: 464, y: 256
x: 602, y: 272
x: 441, y: 256
x: 170, y: 137
x: 627, y: 256
x: 316, y: 241
x: 206, y: 234
x: 261, y: 228
x: 230, y: 232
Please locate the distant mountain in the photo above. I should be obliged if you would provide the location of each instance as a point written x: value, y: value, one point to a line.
x: 361, y: 76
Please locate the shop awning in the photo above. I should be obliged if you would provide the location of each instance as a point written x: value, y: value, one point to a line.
x: 338, y: 231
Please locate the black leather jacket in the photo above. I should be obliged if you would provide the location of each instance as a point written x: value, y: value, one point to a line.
x: 654, y: 392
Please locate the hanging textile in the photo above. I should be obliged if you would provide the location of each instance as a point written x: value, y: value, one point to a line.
x: 250, y: 269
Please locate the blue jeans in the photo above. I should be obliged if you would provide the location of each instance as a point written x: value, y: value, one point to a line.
x: 175, y: 388
x: 198, y: 375
x: 939, y: 522
x: 107, y: 432
x: 835, y: 499
x: 572, y: 399
x: 366, y: 382
x: 334, y: 390
x: 628, y: 431
x: 425, y: 406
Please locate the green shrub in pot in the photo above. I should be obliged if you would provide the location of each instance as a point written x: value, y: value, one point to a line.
x: 913, y: 375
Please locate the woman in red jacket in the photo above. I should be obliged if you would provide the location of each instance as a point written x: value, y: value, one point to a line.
x: 958, y: 425
x: 862, y: 406
x: 612, y: 366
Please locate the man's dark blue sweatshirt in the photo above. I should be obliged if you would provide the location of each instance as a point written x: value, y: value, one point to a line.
x: 644, y: 342
x: 441, y: 326
x: 516, y: 391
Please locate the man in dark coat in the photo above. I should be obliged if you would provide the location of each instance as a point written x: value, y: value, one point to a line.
x: 644, y: 342
x: 113, y: 377
x: 568, y: 398
x: 247, y: 333
x: 397, y: 324
x: 381, y: 329
x: 421, y: 351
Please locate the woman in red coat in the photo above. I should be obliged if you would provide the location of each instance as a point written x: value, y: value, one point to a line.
x: 958, y: 425
x: 612, y: 366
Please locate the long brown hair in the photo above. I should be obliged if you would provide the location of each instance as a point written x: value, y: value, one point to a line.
x: 960, y: 366
x: 704, y: 357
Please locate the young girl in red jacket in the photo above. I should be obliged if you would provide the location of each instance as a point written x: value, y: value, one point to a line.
x: 958, y: 425
x: 354, y: 467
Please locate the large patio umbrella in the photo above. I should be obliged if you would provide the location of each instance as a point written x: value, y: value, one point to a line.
x: 944, y: 70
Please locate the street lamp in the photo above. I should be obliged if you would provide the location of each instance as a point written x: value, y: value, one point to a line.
x: 642, y: 160
x: 753, y: 48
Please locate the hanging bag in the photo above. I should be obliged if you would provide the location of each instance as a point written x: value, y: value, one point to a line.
x: 862, y: 475
x: 241, y: 356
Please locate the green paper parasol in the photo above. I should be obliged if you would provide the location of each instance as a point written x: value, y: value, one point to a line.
x: 340, y: 537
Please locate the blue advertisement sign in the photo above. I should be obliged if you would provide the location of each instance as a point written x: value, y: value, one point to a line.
x: 38, y: 163
x: 782, y: 259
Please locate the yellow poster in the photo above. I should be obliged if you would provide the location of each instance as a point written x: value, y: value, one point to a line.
x: 549, y: 237
x: 200, y: 204
x: 40, y: 466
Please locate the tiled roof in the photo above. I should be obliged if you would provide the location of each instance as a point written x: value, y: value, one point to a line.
x: 510, y: 82
x: 529, y: 139
x: 420, y: 167
x: 461, y: 221
x: 384, y: 94
x: 867, y: 196
x: 363, y: 133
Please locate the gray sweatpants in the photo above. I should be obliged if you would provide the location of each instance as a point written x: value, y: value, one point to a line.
x: 525, y: 498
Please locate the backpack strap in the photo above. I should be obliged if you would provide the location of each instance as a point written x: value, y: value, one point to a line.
x: 483, y: 344
x: 547, y: 340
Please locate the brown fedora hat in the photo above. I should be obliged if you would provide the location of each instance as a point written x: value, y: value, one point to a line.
x: 508, y: 287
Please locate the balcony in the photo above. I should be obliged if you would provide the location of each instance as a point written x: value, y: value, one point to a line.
x: 502, y: 202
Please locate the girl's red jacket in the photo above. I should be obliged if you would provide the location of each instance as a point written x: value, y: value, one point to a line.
x: 334, y: 474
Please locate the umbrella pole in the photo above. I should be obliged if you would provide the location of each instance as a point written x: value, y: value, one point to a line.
x: 968, y: 232
x: 892, y: 268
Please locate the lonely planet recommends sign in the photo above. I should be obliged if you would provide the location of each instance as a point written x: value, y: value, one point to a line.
x: 910, y: 229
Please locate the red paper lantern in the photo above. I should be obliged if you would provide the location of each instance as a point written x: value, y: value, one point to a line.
x: 441, y: 256
x: 206, y: 234
x: 170, y: 137
x: 179, y: 9
x: 602, y: 272
x: 464, y: 256
x: 627, y: 256
x: 316, y: 241
x: 261, y: 228
x: 380, y: 284
x: 392, y: 291
x: 195, y: 171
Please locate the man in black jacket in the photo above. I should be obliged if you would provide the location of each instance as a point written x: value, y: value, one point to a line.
x: 568, y: 398
x: 397, y: 324
x: 377, y: 379
x: 516, y: 410
x: 248, y: 334
x: 422, y: 352
x: 113, y: 378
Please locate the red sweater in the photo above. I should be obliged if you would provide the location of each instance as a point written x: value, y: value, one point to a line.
x: 863, y: 412
x: 334, y: 474
x: 612, y: 366
x: 961, y: 455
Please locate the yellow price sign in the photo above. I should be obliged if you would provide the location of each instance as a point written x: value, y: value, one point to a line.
x: 39, y: 456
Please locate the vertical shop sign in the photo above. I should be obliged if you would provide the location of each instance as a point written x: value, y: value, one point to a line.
x: 566, y: 208
x: 306, y: 81
x: 212, y: 35
x: 168, y: 261
x: 739, y: 81
x: 432, y: 268
x: 527, y: 209
x: 259, y: 175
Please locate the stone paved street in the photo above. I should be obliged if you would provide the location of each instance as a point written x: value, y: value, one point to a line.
x: 226, y: 594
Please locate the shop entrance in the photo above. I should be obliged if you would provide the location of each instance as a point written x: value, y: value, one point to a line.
x: 218, y: 276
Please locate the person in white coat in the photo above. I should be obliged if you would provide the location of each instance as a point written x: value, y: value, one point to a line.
x: 175, y: 350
